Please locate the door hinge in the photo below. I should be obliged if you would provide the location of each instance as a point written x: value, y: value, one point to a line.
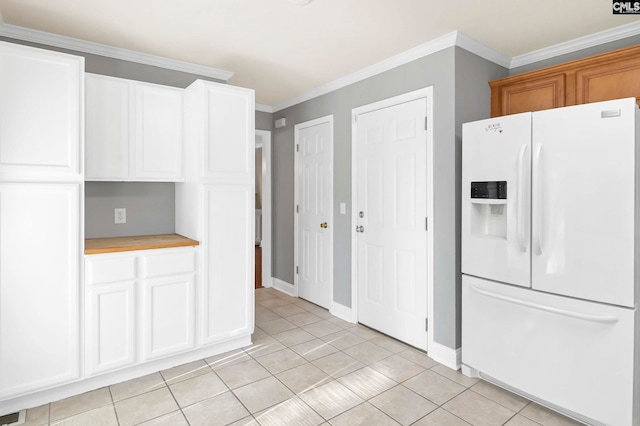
x: 297, y: 208
x: 297, y: 269
x: 426, y: 123
x: 426, y: 223
x: 426, y: 324
x: 297, y: 147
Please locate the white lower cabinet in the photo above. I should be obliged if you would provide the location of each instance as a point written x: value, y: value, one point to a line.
x: 140, y: 306
x: 39, y: 277
x: 168, y: 315
x: 228, y: 261
x: 111, y: 326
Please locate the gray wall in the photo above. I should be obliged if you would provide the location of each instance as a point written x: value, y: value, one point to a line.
x: 150, y: 208
x: 444, y: 70
x: 264, y: 120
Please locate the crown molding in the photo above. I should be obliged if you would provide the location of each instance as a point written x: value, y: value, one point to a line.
x: 476, y: 47
x: 577, y: 44
x: 454, y: 38
x: 425, y: 49
x: 264, y: 108
x: 50, y: 39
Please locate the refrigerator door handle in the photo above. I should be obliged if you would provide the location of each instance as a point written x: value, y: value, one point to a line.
x: 520, y: 200
x: 572, y: 314
x: 537, y: 201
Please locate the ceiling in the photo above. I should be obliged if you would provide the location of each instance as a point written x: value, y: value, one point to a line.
x: 282, y: 49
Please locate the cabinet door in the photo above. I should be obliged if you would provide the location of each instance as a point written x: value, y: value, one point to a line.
x: 107, y: 128
x: 229, y: 146
x: 158, y: 133
x: 167, y: 315
x: 529, y: 95
x: 228, y: 261
x: 110, y: 326
x: 41, y: 111
x: 39, y: 278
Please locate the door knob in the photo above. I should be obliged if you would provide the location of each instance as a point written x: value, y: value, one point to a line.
x: 323, y: 225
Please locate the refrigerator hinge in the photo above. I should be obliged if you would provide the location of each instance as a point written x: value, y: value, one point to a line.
x: 426, y: 324
x: 426, y: 123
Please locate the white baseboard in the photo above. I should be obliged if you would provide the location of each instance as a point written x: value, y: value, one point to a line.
x: 342, y: 312
x: 284, y: 287
x: 267, y: 283
x: 446, y: 356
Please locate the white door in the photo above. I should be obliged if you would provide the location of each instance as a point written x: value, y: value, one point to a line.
x: 583, y: 201
x: 391, y: 206
x: 314, y: 204
x: 496, y: 153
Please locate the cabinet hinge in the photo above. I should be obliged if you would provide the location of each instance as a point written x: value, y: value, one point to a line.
x: 297, y: 269
x: 426, y: 324
x: 426, y: 123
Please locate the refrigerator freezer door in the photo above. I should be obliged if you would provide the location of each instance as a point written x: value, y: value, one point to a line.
x: 575, y: 354
x: 583, y: 201
x: 496, y: 157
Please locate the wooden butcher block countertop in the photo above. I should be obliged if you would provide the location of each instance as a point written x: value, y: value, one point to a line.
x: 138, y: 242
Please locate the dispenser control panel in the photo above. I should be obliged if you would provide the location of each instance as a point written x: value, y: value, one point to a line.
x: 494, y: 190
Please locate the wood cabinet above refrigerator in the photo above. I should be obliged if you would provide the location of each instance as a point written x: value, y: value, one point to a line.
x: 611, y: 75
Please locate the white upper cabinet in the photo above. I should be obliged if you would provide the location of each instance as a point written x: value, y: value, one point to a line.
x: 134, y: 130
x: 108, y: 108
x: 158, y: 132
x: 41, y: 113
x: 224, y: 117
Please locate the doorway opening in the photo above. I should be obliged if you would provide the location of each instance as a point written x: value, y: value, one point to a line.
x: 263, y: 209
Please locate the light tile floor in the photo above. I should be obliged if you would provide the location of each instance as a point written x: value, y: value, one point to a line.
x: 305, y: 367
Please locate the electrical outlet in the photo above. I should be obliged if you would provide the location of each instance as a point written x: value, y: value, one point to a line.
x: 120, y: 215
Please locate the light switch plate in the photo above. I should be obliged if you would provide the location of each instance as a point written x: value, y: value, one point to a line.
x: 343, y: 208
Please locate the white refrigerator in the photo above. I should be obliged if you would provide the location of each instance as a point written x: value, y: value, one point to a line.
x: 551, y: 258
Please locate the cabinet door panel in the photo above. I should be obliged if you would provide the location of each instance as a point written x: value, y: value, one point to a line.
x: 535, y: 95
x: 39, y: 256
x: 110, y: 326
x: 40, y: 111
x: 612, y: 80
x: 107, y: 127
x: 168, y: 317
x: 158, y: 132
x: 229, y: 135
x: 228, y: 263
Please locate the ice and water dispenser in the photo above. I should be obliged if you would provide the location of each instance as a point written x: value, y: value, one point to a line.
x: 489, y: 209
